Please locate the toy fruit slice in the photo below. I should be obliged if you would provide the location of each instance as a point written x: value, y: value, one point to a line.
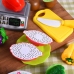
x: 25, y: 51
x: 19, y: 72
x: 37, y: 37
x: 46, y: 49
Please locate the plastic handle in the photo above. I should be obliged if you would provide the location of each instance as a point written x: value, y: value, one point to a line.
x: 69, y: 23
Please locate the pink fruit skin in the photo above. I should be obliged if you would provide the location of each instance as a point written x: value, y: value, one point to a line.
x: 33, y: 42
x: 23, y: 59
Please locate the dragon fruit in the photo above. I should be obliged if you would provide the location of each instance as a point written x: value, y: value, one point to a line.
x: 25, y: 51
x: 37, y: 37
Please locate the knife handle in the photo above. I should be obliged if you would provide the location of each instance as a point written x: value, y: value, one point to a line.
x: 69, y: 23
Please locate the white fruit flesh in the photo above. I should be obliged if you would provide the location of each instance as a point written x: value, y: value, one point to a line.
x: 25, y: 51
x: 38, y: 36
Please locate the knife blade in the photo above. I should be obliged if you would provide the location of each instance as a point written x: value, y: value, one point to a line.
x: 56, y: 23
x: 49, y: 22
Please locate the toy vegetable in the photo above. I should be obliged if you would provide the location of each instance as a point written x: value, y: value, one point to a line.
x: 68, y: 54
x: 3, y: 36
x: 14, y: 5
x: 56, y: 69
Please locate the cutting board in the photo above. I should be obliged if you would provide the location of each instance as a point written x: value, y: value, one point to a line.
x: 59, y: 34
x: 9, y: 63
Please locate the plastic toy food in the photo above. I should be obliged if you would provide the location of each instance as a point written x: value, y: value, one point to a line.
x: 45, y: 49
x: 3, y: 36
x: 35, y: 4
x: 25, y: 51
x: 37, y: 37
x: 0, y: 39
x: 56, y: 69
x: 19, y: 72
x: 68, y: 54
x: 14, y: 5
x: 50, y: 3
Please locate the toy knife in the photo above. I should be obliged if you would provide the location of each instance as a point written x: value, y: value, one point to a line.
x: 56, y: 23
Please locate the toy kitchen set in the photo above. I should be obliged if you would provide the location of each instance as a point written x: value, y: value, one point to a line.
x: 14, y: 20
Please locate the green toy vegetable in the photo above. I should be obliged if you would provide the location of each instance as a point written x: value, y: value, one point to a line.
x: 56, y: 69
x: 3, y: 36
